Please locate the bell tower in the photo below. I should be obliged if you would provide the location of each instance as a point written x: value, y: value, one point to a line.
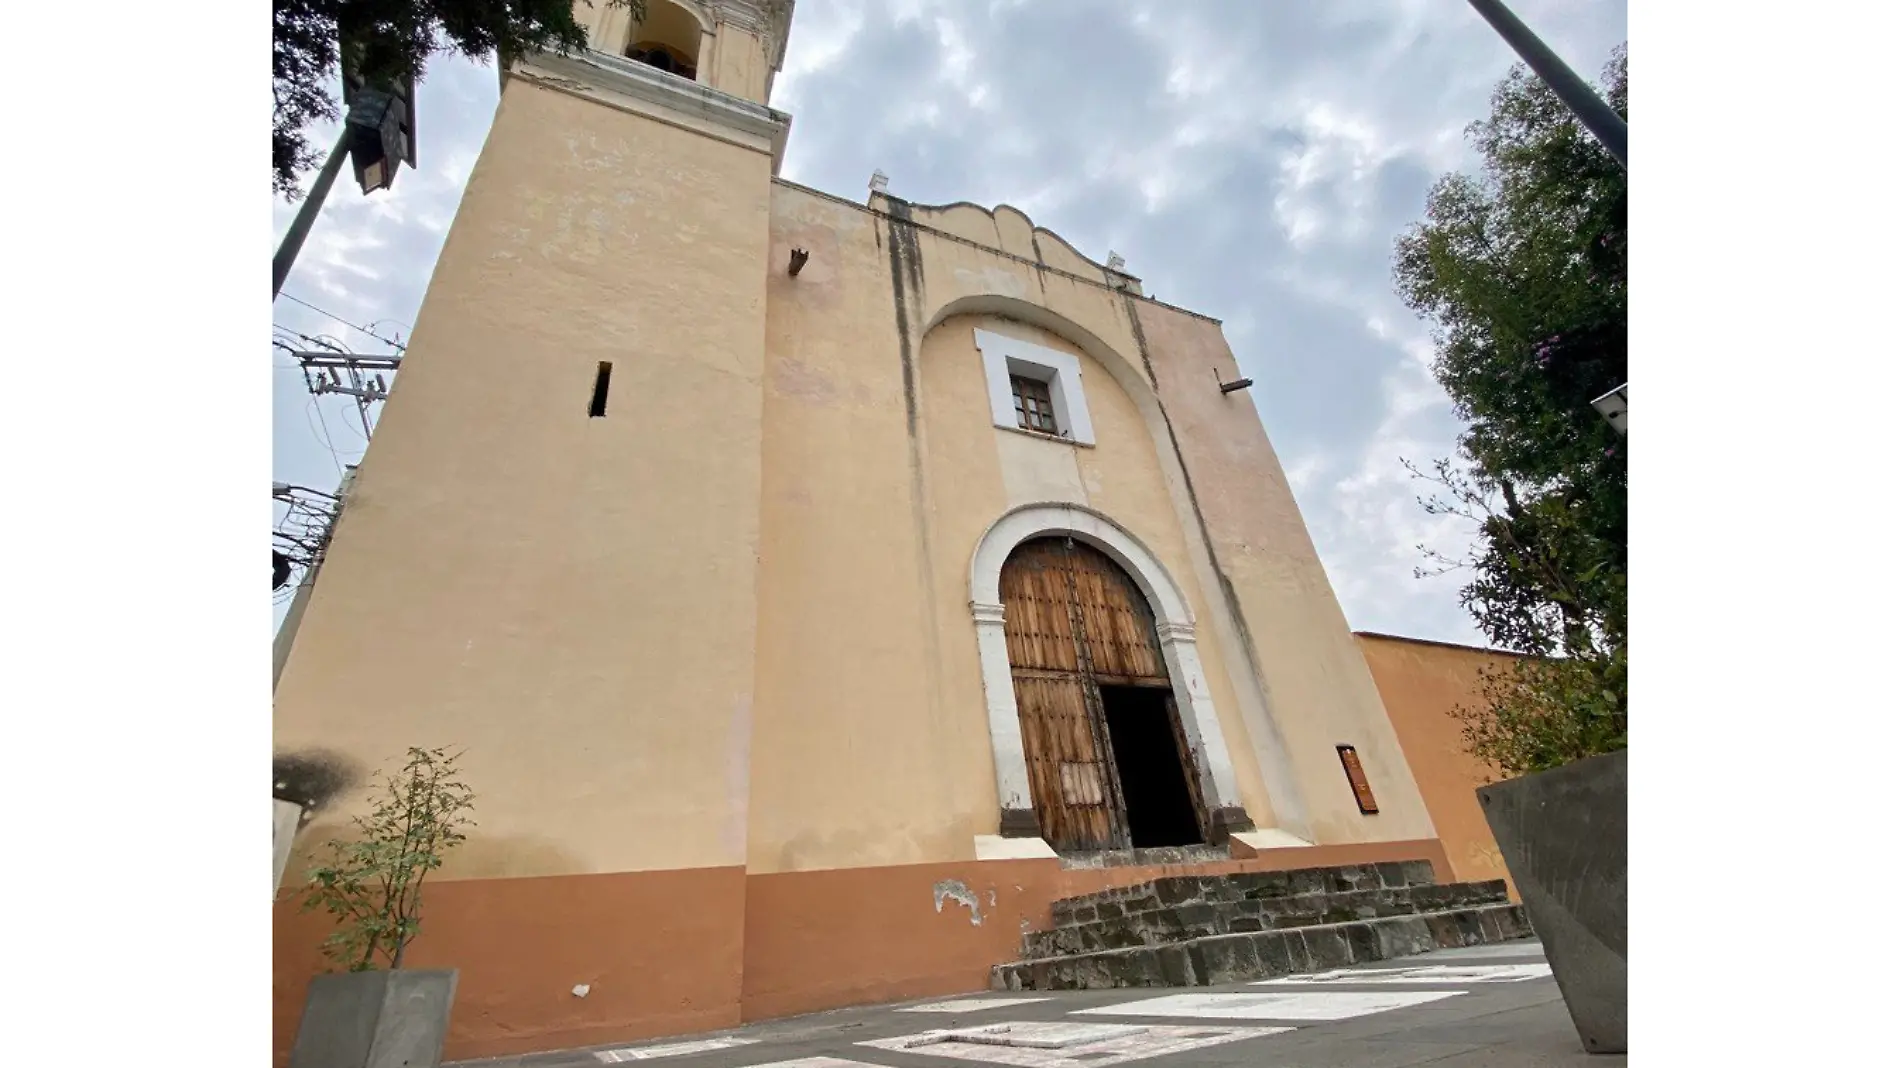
x: 548, y: 556
x: 734, y: 47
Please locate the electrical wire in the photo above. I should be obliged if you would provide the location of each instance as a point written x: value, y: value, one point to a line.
x: 397, y: 345
x: 323, y: 434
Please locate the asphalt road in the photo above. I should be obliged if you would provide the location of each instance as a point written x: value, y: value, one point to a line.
x: 1481, y: 1007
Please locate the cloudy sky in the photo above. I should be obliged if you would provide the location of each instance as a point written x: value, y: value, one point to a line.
x: 1252, y: 159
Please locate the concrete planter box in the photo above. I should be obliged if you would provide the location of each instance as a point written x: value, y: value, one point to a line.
x: 375, y: 1020
x: 1564, y: 834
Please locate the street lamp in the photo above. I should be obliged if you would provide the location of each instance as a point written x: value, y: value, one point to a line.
x: 377, y: 131
x: 379, y: 136
x: 1614, y: 406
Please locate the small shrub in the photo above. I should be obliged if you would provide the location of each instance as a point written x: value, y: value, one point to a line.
x: 371, y: 883
x: 1541, y: 713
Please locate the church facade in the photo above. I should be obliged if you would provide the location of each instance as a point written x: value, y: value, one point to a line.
x: 817, y: 588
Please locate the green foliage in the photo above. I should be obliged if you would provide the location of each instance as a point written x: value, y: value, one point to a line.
x: 371, y: 884
x: 1523, y: 273
x: 1545, y: 712
x: 395, y: 39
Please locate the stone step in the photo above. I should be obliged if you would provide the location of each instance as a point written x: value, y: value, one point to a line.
x: 1127, y: 927
x: 1190, y: 889
x: 1178, y: 856
x: 1230, y: 958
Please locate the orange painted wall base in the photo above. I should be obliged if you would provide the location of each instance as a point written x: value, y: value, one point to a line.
x: 679, y: 952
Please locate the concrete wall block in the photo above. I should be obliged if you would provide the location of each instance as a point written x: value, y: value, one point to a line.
x: 1564, y: 835
x: 375, y: 1020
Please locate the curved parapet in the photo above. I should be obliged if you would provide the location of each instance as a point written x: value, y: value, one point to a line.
x: 1008, y: 229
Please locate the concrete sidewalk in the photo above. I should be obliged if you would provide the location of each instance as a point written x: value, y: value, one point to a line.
x: 1481, y: 1007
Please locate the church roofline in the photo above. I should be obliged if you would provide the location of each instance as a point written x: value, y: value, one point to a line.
x: 1442, y: 645
x: 1098, y: 283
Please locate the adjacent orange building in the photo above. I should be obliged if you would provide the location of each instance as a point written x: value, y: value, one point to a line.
x: 1422, y: 683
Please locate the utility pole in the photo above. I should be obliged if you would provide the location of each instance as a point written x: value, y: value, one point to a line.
x: 1590, y: 109
x: 365, y: 381
x: 307, y: 213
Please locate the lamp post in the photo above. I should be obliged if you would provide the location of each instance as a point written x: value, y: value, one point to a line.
x: 306, y: 215
x: 1590, y: 109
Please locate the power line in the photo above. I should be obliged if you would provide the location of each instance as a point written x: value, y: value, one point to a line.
x: 397, y: 345
x: 323, y: 435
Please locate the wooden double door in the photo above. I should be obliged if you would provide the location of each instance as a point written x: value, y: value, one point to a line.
x: 1109, y: 765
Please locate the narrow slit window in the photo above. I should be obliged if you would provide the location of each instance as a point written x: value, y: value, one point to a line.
x: 1034, y: 411
x: 599, y: 406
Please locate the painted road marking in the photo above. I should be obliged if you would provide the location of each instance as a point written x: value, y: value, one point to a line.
x: 969, y: 1004
x: 1435, y: 973
x: 818, y: 1062
x: 1065, y: 1045
x: 1028, y: 1036
x: 1308, y: 1005
x: 674, y: 1049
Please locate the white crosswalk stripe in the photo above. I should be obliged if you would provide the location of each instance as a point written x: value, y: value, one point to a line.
x: 1053, y: 1044
x: 1305, y: 1005
x: 969, y: 1004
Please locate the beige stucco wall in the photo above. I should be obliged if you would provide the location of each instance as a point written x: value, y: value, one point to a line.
x: 974, y: 472
x: 570, y: 599
x: 870, y: 743
x: 886, y: 761
x: 1318, y: 692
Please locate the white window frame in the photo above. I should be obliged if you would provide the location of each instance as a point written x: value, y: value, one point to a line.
x: 1007, y: 356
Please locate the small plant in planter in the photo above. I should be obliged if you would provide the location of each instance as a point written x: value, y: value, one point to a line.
x: 371, y: 884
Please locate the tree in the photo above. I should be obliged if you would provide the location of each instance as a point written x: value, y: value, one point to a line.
x: 1523, y: 273
x: 394, y: 40
x: 371, y: 884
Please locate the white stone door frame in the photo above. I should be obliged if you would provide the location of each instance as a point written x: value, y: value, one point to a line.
x: 1174, y: 625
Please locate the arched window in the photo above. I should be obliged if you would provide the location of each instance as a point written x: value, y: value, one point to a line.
x: 668, y: 40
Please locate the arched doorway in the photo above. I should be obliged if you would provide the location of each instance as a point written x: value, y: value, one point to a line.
x: 1109, y: 765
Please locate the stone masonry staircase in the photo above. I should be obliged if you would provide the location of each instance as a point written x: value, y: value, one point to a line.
x: 1193, y: 930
